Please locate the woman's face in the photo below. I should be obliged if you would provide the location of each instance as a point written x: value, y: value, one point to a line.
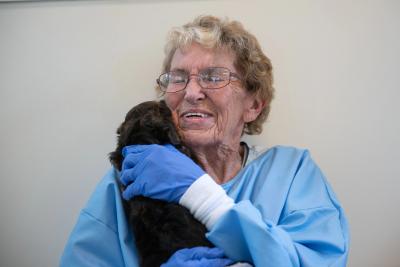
x: 209, y: 117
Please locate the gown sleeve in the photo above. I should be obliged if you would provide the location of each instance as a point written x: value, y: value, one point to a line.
x: 309, y: 231
x: 101, y: 236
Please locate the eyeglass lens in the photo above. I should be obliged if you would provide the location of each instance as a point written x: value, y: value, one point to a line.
x: 208, y: 78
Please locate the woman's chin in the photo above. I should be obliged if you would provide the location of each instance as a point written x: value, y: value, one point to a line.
x: 198, y: 138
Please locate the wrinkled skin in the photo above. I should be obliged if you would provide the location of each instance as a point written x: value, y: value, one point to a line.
x: 215, y: 137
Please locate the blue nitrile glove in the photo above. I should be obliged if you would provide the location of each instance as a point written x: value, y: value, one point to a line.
x: 157, y: 171
x: 198, y: 257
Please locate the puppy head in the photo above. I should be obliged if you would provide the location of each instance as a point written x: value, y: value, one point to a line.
x: 147, y: 123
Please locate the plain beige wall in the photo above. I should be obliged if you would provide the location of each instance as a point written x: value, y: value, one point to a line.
x: 70, y: 70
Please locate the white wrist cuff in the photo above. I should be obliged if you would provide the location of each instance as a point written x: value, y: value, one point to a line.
x: 206, y: 200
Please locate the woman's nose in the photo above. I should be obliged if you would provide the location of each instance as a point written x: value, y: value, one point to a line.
x: 194, y: 92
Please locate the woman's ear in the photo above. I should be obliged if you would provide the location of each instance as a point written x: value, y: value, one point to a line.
x: 254, y: 107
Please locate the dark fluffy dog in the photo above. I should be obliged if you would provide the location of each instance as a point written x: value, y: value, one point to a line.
x: 160, y: 228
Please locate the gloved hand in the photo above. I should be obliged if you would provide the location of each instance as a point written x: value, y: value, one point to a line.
x: 198, y: 257
x: 157, y: 171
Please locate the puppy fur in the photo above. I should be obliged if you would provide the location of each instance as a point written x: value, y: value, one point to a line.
x: 160, y: 228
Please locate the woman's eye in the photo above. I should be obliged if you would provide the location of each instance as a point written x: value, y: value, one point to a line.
x: 178, y: 79
x: 212, y: 78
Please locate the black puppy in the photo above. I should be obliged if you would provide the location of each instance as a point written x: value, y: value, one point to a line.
x: 160, y: 228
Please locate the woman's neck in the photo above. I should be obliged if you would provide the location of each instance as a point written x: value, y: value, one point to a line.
x: 222, y: 163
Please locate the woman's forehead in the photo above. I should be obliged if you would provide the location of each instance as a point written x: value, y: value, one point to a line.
x: 195, y: 57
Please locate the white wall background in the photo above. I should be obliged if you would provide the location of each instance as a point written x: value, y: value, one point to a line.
x: 70, y: 70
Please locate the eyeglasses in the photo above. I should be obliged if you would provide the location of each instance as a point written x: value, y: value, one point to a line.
x: 208, y: 78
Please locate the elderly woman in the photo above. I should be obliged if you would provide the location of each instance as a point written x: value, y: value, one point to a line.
x: 270, y: 208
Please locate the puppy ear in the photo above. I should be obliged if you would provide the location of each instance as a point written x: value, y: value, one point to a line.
x: 173, y: 135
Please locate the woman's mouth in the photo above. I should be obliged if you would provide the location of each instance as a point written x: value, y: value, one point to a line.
x: 196, y: 120
x: 195, y: 115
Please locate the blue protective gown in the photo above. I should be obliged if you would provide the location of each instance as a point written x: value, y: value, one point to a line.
x: 285, y: 215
